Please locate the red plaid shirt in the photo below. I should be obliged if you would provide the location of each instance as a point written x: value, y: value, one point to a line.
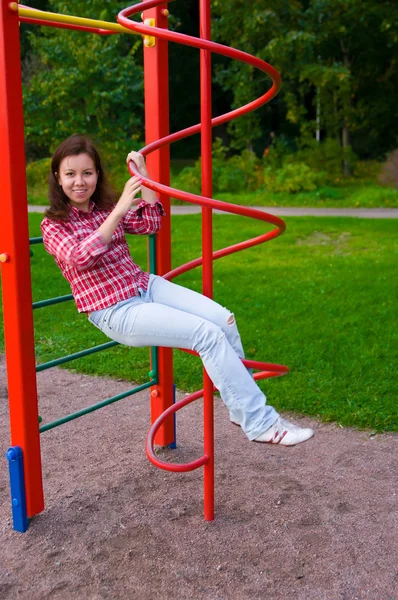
x: 99, y: 274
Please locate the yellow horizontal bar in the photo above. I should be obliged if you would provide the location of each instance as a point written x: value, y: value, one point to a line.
x: 34, y: 13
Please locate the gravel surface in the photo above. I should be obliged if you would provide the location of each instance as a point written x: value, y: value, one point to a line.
x: 316, y: 521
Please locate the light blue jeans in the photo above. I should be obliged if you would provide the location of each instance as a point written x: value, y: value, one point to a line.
x: 176, y: 317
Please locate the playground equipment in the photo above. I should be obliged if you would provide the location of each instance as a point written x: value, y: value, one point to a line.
x: 24, y: 454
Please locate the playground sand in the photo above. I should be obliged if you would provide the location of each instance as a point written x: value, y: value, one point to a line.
x: 312, y: 522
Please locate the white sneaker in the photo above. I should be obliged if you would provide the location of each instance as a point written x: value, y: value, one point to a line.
x: 284, y: 433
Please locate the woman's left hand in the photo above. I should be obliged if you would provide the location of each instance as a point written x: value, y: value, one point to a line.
x: 147, y: 194
x: 139, y: 161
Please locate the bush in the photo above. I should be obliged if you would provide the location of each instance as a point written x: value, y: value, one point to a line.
x: 367, y: 170
x: 233, y: 174
x: 189, y: 179
x: 280, y: 152
x: 292, y: 178
x: 325, y: 157
x: 37, y: 173
x: 113, y: 156
x: 389, y: 172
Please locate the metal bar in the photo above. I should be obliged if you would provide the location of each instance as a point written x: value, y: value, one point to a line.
x: 35, y: 240
x: 33, y: 13
x: 152, y: 253
x: 15, y: 269
x: 50, y: 301
x: 69, y: 357
x: 93, y: 407
x: 207, y: 246
x: 157, y: 126
x: 152, y: 269
x: 43, y: 23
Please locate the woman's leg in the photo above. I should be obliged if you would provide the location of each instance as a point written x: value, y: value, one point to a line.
x: 140, y: 322
x: 176, y: 296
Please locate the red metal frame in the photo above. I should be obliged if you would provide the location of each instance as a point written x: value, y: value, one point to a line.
x: 207, y: 203
x: 17, y: 301
x: 156, y: 87
x: 207, y: 246
x: 16, y: 283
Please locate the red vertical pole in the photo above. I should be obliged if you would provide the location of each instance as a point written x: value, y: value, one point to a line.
x: 14, y: 250
x: 207, y: 245
x: 156, y: 85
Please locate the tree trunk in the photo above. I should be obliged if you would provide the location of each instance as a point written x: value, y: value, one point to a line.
x: 347, y: 168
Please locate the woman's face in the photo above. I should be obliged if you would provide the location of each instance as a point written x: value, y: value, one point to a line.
x: 78, y: 178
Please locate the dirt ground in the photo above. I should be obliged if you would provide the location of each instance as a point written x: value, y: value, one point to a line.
x: 316, y: 521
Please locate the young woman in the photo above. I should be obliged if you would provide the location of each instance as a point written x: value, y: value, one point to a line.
x: 84, y: 229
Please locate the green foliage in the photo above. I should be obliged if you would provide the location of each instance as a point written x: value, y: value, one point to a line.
x: 84, y: 83
x: 367, y: 170
x: 114, y: 161
x: 240, y: 179
x: 292, y: 178
x: 281, y: 151
x: 338, y: 62
x: 37, y: 181
x: 230, y: 174
x: 37, y: 173
x: 189, y: 178
x: 389, y: 171
x: 325, y: 158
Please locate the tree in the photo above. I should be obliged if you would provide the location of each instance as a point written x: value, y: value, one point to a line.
x: 342, y: 54
x: 82, y: 82
x: 359, y: 38
x: 251, y: 27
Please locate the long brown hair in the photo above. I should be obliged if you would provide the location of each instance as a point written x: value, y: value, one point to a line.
x: 104, y: 196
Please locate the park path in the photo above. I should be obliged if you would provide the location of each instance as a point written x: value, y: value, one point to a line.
x: 285, y: 211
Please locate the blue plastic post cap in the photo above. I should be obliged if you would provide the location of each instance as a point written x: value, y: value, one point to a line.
x: 12, y: 453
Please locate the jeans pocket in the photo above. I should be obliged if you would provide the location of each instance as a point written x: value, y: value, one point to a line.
x: 102, y: 318
x: 90, y: 318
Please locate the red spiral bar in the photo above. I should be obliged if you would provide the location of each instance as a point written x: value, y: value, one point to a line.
x: 174, y: 467
x: 187, y: 40
x: 268, y: 369
x: 218, y: 204
x: 273, y: 371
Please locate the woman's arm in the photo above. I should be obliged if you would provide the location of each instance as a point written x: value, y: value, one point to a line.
x: 60, y: 241
x: 126, y: 201
x: 64, y: 246
x: 146, y: 219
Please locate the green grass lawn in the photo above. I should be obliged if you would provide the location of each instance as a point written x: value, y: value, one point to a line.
x: 319, y: 299
x: 354, y: 195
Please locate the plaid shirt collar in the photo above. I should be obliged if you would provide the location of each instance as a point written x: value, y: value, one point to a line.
x: 76, y: 212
